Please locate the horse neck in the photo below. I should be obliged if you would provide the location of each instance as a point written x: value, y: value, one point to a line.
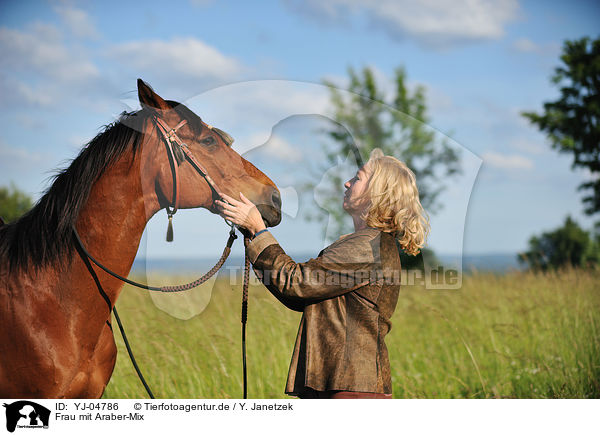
x: 112, y: 222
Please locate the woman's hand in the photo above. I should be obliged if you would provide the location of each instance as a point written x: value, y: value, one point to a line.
x: 242, y: 213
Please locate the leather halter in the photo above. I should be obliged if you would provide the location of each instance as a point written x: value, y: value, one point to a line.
x: 178, y: 151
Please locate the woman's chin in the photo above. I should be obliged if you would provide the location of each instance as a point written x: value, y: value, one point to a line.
x: 347, y: 207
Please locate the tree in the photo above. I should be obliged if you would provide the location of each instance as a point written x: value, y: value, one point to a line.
x: 569, y: 245
x: 572, y: 122
x: 13, y: 203
x: 367, y: 118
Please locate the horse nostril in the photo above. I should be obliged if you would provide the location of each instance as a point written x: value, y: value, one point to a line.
x: 276, y: 198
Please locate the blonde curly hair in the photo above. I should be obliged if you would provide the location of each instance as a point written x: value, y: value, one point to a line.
x: 394, y: 202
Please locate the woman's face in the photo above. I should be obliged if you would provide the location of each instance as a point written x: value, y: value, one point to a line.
x: 354, y: 203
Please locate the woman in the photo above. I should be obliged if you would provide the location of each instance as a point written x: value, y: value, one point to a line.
x: 349, y: 292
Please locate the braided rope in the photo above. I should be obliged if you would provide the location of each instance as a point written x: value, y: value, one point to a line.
x: 246, y: 280
x: 165, y: 289
x: 201, y: 280
x: 245, y: 314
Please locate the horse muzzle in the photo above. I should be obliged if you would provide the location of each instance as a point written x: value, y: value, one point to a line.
x: 271, y: 210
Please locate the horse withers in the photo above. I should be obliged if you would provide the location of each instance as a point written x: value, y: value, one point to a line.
x: 56, y: 339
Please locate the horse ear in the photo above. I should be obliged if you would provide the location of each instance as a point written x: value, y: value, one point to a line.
x: 149, y: 98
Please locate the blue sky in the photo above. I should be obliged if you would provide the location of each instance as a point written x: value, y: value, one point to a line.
x: 67, y: 68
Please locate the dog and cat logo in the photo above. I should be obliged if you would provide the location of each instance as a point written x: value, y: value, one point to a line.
x: 26, y: 415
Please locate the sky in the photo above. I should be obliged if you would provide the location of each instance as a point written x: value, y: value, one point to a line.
x: 256, y: 70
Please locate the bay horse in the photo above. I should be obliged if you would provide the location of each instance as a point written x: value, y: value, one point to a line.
x: 56, y: 339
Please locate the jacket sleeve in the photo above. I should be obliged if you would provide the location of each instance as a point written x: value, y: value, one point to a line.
x: 343, y: 267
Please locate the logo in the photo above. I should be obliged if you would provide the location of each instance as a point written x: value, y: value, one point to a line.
x: 26, y: 414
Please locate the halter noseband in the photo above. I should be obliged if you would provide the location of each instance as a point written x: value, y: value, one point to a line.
x: 178, y: 152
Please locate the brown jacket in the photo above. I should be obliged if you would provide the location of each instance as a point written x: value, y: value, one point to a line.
x: 347, y: 295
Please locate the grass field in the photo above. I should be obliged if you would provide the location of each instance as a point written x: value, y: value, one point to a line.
x: 518, y: 335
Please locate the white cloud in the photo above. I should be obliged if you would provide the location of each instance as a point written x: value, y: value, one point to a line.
x: 187, y: 58
x: 525, y: 45
x: 251, y: 109
x: 25, y: 166
x: 506, y: 161
x: 19, y: 156
x: 529, y: 145
x: 280, y: 96
x: 36, y: 97
x: 42, y: 50
x: 78, y: 22
x: 44, y: 65
x: 277, y: 147
x: 41, y: 68
x: 29, y: 121
x: 435, y: 23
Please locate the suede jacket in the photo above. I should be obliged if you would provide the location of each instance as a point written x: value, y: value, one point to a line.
x: 347, y: 295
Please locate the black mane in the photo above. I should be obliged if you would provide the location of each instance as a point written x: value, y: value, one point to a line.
x: 45, y: 233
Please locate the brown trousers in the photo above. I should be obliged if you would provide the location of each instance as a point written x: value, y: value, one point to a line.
x: 309, y: 393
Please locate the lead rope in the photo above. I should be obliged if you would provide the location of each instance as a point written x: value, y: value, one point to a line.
x: 169, y: 288
x: 86, y: 257
x: 245, y: 312
x: 131, y: 357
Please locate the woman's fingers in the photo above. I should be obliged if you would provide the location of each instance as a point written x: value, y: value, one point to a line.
x: 230, y: 200
x: 243, y: 213
x: 246, y: 200
x: 224, y: 205
x: 234, y: 213
x: 225, y: 210
x: 228, y: 212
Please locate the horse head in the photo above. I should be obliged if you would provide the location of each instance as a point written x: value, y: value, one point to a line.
x: 202, y: 164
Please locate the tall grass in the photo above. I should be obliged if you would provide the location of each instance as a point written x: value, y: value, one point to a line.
x: 517, y: 335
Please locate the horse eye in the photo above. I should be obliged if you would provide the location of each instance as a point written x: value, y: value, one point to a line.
x: 208, y: 140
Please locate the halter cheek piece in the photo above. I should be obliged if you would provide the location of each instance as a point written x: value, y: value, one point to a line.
x: 178, y: 152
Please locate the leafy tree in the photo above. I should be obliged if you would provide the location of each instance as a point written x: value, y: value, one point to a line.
x: 13, y: 203
x: 367, y: 118
x: 572, y: 122
x: 568, y: 245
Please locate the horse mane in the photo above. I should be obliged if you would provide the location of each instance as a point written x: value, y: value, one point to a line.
x: 45, y: 233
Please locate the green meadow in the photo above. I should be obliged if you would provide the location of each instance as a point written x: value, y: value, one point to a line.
x: 517, y: 335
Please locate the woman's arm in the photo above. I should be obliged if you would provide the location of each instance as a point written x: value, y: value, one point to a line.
x: 338, y: 270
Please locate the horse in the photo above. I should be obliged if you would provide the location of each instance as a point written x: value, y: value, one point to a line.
x: 57, y: 340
